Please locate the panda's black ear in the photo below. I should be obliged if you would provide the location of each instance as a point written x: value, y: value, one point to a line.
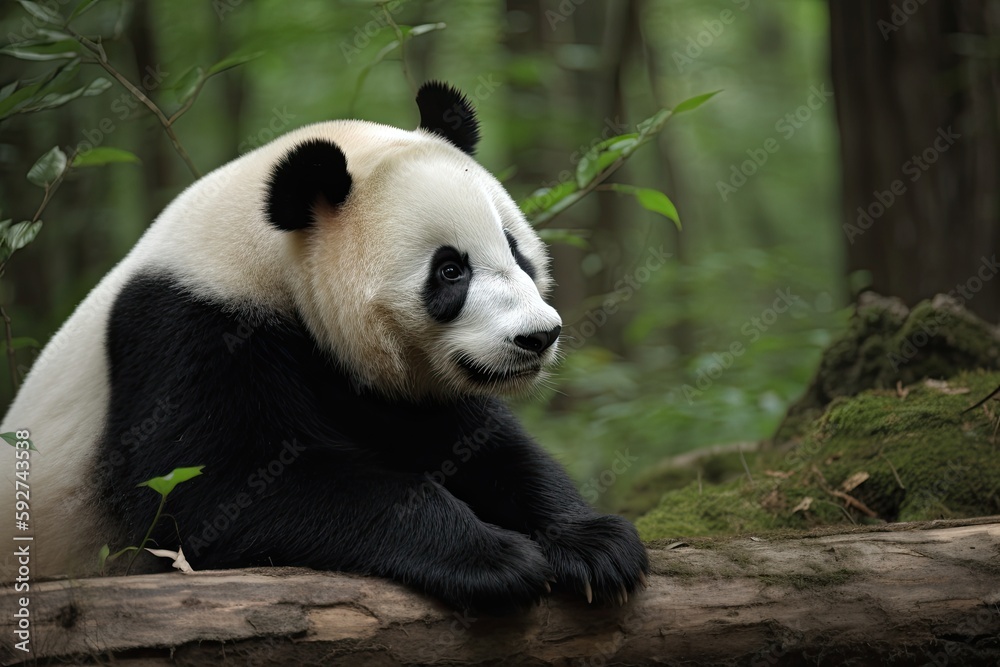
x: 313, y: 169
x: 447, y: 113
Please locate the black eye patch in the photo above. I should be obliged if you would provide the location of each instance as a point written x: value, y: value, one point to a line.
x: 447, y: 284
x: 521, y: 260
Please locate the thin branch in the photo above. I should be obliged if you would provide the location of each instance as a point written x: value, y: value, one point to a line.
x: 402, y: 48
x: 893, y: 469
x: 187, y: 103
x: 102, y: 60
x: 548, y: 215
x: 988, y: 397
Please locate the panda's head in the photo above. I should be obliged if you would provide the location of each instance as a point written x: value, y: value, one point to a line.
x: 414, y: 265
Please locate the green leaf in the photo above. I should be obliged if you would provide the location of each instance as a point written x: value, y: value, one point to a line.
x: 41, y: 13
x: 603, y: 155
x: 19, y: 235
x: 48, y: 167
x: 653, y: 124
x: 574, y: 237
x: 102, y: 556
x: 545, y: 198
x: 693, y: 103
x: 20, y: 343
x: 53, y: 100
x: 651, y: 200
x: 407, y: 33
x: 29, y: 90
x: 45, y: 50
x: 7, y: 90
x: 164, y: 485
x: 102, y: 155
x: 189, y: 83
x: 84, y: 6
x: 232, y: 61
x: 11, y: 438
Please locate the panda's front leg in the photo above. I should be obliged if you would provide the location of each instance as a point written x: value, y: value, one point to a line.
x: 511, y: 481
x: 384, y: 523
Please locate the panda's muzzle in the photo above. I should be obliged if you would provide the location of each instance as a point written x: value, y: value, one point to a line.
x: 538, y: 341
x: 481, y: 374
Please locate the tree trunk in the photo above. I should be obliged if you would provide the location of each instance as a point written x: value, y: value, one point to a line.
x: 908, y: 594
x: 918, y: 104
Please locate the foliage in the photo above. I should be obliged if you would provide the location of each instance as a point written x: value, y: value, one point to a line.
x: 164, y: 486
x: 912, y: 454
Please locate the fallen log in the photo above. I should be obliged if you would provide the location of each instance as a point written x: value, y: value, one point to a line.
x: 918, y: 594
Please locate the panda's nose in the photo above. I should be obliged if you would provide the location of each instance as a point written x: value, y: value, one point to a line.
x: 538, y: 341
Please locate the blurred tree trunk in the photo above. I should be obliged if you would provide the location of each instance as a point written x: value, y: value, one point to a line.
x: 918, y: 103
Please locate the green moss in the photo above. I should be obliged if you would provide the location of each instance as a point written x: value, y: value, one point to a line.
x: 924, y: 457
x: 887, y: 343
x: 729, y: 508
x: 648, y: 490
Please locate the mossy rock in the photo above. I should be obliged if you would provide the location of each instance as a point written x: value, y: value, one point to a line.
x: 911, y: 454
x: 886, y: 343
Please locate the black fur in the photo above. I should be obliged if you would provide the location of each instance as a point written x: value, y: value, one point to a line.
x: 447, y: 113
x: 313, y: 169
x: 302, y: 467
x: 444, y: 298
x: 521, y: 260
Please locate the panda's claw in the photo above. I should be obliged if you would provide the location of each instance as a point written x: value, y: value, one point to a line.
x: 643, y: 580
x: 548, y: 587
x: 588, y: 592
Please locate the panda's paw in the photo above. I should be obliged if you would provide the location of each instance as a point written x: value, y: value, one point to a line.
x: 599, y: 557
x: 504, y: 573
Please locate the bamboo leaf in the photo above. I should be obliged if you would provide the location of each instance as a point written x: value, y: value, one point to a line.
x: 573, y: 237
x: 651, y: 200
x: 19, y: 235
x: 165, y: 484
x: 48, y: 167
x: 693, y: 103
x: 103, y: 155
x: 84, y: 6
x: 232, y: 61
x: 41, y: 13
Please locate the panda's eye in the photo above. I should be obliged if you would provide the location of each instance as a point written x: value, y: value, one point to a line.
x: 451, y: 272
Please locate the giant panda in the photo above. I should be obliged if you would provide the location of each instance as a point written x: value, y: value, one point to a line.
x: 329, y: 325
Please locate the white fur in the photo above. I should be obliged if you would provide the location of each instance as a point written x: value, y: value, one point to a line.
x: 356, y: 277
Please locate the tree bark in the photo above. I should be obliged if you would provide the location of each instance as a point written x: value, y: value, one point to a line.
x: 918, y: 105
x: 899, y: 594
